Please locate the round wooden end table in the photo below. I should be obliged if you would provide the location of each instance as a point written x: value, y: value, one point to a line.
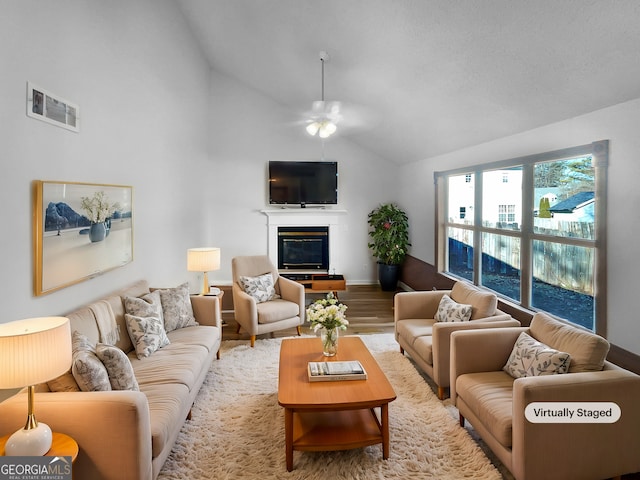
x: 62, y: 446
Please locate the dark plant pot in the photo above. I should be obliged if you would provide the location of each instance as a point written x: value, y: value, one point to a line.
x: 388, y: 276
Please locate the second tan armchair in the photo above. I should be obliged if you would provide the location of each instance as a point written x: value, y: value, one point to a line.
x: 428, y: 341
x: 256, y: 318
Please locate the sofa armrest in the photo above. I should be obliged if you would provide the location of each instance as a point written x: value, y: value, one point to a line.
x: 423, y: 304
x: 613, y: 447
x: 109, y: 427
x: 441, y: 341
x: 206, y: 310
x: 294, y: 292
x: 484, y: 350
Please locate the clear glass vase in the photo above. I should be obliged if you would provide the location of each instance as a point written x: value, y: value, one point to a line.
x: 329, y: 338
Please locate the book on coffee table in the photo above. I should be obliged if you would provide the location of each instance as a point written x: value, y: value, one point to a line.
x: 336, y: 371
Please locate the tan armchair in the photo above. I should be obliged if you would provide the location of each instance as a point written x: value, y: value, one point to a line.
x: 427, y: 341
x: 494, y: 403
x: 258, y: 318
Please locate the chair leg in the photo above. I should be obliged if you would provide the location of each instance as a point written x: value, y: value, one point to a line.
x: 461, y: 421
x: 238, y: 329
x: 402, y: 350
x: 218, y: 355
x: 253, y: 341
x: 440, y: 392
x: 299, y: 329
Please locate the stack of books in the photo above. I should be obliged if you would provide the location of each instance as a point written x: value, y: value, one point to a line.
x: 336, y: 371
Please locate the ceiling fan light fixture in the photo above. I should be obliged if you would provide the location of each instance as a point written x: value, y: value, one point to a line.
x: 313, y: 128
x: 327, y: 129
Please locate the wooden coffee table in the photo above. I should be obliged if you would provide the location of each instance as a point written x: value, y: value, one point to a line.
x: 325, y: 416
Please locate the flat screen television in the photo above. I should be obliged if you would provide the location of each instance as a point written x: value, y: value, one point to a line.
x: 303, y: 183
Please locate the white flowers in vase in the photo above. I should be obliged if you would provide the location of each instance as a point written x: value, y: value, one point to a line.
x: 98, y: 209
x: 327, y: 313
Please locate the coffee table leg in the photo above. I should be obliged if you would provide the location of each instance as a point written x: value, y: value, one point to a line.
x: 384, y: 418
x: 288, y: 436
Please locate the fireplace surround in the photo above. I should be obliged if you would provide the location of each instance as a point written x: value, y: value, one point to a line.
x: 331, y: 219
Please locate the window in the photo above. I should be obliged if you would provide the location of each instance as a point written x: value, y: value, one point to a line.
x: 506, y: 213
x: 532, y: 229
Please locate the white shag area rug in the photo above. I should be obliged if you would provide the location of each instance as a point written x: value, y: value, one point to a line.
x: 237, y: 427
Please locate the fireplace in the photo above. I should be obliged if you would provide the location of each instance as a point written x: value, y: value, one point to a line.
x: 301, y: 218
x: 303, y: 248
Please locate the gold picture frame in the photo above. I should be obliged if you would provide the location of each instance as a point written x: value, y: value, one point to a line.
x: 80, y: 230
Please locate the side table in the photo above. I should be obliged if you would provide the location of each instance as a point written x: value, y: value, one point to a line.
x: 62, y: 446
x: 219, y: 296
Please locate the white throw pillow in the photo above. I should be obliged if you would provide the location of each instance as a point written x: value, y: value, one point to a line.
x: 118, y: 367
x: 147, y: 334
x: 261, y: 288
x: 176, y: 308
x: 450, y: 311
x: 531, y: 358
x: 88, y: 371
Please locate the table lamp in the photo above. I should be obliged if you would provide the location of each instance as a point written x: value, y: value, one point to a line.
x: 33, y: 351
x: 203, y: 260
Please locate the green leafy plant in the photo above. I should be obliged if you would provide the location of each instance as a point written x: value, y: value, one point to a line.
x: 389, y: 234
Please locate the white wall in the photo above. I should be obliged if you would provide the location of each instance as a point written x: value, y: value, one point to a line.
x: 194, y: 144
x: 141, y: 83
x: 617, y: 124
x: 247, y: 130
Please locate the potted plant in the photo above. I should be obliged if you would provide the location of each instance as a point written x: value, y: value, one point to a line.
x: 389, y: 234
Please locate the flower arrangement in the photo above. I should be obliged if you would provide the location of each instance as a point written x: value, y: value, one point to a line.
x: 327, y: 313
x: 98, y: 209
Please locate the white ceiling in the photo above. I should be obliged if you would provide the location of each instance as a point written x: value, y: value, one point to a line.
x: 439, y: 75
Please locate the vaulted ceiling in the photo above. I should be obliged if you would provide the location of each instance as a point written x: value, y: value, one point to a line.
x: 432, y: 76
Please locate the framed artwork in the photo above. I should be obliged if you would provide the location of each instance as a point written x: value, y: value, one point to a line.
x: 48, y: 107
x: 80, y: 230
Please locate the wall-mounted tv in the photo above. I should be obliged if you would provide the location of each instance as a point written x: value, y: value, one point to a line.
x: 303, y: 183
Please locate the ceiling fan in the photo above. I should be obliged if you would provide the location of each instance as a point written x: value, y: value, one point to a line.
x: 324, y: 116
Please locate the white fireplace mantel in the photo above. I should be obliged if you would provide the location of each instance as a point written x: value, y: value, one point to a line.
x: 306, y: 217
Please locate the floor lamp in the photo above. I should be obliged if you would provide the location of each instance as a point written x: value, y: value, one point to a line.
x: 203, y: 260
x: 33, y: 351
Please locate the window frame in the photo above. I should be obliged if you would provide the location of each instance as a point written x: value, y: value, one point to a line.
x: 599, y: 151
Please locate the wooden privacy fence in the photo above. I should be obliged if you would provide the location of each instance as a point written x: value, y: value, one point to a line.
x: 566, y: 266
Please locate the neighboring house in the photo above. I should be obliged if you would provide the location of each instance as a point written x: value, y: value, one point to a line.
x: 577, y: 208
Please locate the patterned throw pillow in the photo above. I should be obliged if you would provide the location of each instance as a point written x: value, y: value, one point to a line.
x: 261, y: 288
x: 147, y: 334
x: 89, y: 372
x: 148, y: 305
x: 531, y: 358
x: 118, y: 366
x: 450, y: 311
x: 176, y: 308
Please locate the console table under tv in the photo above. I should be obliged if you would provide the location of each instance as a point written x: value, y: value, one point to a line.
x: 319, y: 282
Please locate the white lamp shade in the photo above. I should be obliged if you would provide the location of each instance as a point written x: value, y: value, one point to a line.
x: 203, y: 259
x: 34, y: 351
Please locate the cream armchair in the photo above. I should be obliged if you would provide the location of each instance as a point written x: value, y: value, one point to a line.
x: 257, y: 318
x: 494, y: 403
x: 427, y: 341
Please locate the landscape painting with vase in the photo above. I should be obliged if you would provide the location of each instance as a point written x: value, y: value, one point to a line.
x: 80, y: 230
